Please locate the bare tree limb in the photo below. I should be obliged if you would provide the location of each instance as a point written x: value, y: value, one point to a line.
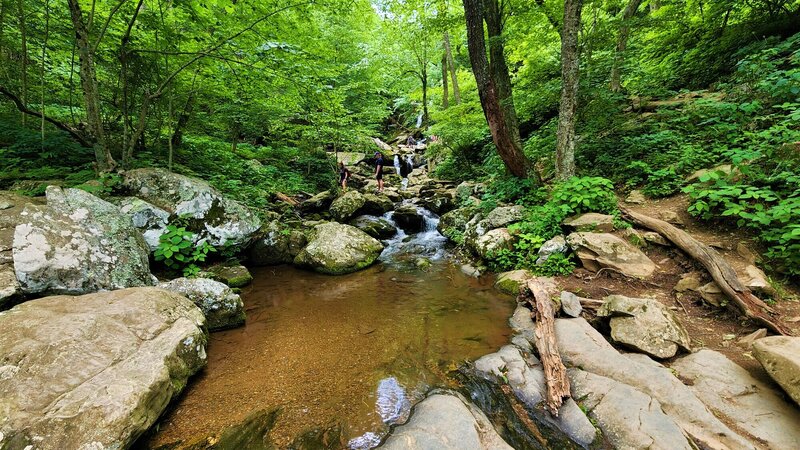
x: 60, y: 125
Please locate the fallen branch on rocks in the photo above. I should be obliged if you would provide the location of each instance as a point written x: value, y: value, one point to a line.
x: 286, y: 199
x: 722, y: 273
x: 555, y: 373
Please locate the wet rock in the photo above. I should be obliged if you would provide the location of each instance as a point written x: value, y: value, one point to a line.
x: 276, y: 244
x: 215, y: 217
x: 522, y: 324
x: 94, y: 371
x: 344, y: 207
x: 408, y: 218
x: 688, y: 282
x: 453, y: 224
x: 734, y: 395
x: 780, y: 356
x: 571, y: 304
x: 555, y: 245
x: 526, y: 378
x: 10, y: 290
x: 655, y: 238
x: 440, y: 202
x: 470, y: 270
x: 492, y: 242
x: 645, y: 325
x: 583, y: 347
x: 392, y: 402
x: 636, y: 197
x: 318, y: 203
x: 629, y: 418
x: 599, y: 250
x: 444, y: 422
x: 149, y: 219
x: 376, y: 204
x: 337, y: 249
x: 219, y: 304
x: 511, y: 282
x: 376, y: 227
x: 591, y: 222
x: 234, y: 276
x: 77, y: 244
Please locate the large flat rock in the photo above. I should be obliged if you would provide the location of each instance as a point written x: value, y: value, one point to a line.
x: 780, y: 356
x: 446, y: 422
x: 94, y: 371
x: 604, y: 250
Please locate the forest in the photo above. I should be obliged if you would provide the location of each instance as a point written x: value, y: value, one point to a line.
x: 306, y: 224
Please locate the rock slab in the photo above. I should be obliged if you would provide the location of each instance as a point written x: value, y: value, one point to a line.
x: 780, y: 356
x: 599, y: 250
x: 94, y: 371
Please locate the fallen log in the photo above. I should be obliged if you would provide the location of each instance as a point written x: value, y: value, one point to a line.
x: 722, y: 272
x: 555, y: 374
x: 286, y: 199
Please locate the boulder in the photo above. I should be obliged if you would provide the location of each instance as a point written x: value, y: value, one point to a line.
x: 149, y: 219
x: 492, y: 242
x: 780, y: 356
x: 10, y: 290
x: 635, y: 197
x: 344, y: 207
x: 688, y: 282
x: 645, y: 325
x: 592, y: 222
x: 337, y: 249
x: 217, y: 218
x: 220, y: 305
x: 235, y: 276
x: 525, y: 377
x: 571, y: 304
x: 318, y: 203
x: 376, y: 204
x: 94, y: 371
x: 712, y: 294
x: 276, y: 244
x: 502, y: 216
x: 599, y: 250
x: 376, y: 227
x: 629, y: 418
x: 453, y: 224
x: 446, y: 422
x: 408, y: 218
x: 440, y: 202
x: 76, y: 245
x: 655, y: 238
x: 738, y: 398
x: 511, y: 282
x: 581, y: 346
x: 755, y: 279
x: 555, y: 245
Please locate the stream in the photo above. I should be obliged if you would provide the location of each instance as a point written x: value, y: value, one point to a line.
x: 351, y: 353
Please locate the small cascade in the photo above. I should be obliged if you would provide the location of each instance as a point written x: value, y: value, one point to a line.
x: 410, y: 160
x: 428, y: 243
x: 397, y: 163
x: 419, y: 120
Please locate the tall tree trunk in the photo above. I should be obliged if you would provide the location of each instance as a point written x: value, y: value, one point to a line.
x: 505, y: 138
x: 177, y: 135
x: 425, y: 116
x: 566, y: 137
x: 23, y: 93
x: 445, y: 93
x: 91, y: 94
x: 622, y: 44
x: 44, y: 60
x: 448, y: 52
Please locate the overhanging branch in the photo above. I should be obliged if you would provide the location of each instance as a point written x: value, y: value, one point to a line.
x: 60, y: 125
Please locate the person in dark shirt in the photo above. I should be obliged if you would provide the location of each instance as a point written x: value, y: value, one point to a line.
x: 344, y: 175
x: 379, y: 170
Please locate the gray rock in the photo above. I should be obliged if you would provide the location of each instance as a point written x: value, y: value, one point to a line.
x: 655, y: 238
x: 78, y: 244
x: 94, y: 371
x: 338, y: 249
x: 276, y: 244
x: 10, y: 290
x: 220, y: 305
x: 408, y: 218
x: 591, y: 222
x: 734, y: 395
x: 511, y: 282
x: 376, y: 205
x: 453, y: 224
x: 688, y: 282
x: 555, y: 245
x: 748, y: 341
x: 502, y: 216
x: 635, y: 197
x: 492, y: 242
x: 526, y: 378
x: 149, y: 219
x: 629, y: 418
x: 470, y: 270
x: 522, y: 324
x: 599, y: 250
x: 344, y: 207
x: 582, y: 346
x: 712, y: 294
x: 318, y: 203
x: 376, y: 227
x: 571, y: 304
x: 645, y: 325
x: 446, y: 422
x: 780, y: 356
x: 213, y: 216
x: 440, y: 202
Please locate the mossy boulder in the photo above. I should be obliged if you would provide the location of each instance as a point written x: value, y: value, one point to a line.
x: 220, y: 305
x: 344, y: 207
x: 511, y: 282
x: 276, y: 244
x: 318, y: 203
x: 453, y: 224
x: 337, y: 249
x: 374, y: 226
x: 235, y: 276
x: 376, y: 204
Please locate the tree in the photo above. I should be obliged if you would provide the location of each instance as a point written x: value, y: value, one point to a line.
x: 622, y: 43
x: 448, y: 55
x: 565, y: 136
x: 494, y: 82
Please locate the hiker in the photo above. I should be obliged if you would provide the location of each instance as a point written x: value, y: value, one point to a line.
x: 405, y: 170
x: 410, y: 141
x: 379, y: 170
x: 344, y: 175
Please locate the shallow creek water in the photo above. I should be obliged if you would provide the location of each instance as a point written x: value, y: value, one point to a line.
x: 354, y: 351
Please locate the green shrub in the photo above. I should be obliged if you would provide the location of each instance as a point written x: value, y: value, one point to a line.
x: 177, y: 250
x: 586, y: 194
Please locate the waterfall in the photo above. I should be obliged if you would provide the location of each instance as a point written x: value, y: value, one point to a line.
x: 410, y: 160
x: 397, y: 163
x: 419, y: 120
x: 428, y: 243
